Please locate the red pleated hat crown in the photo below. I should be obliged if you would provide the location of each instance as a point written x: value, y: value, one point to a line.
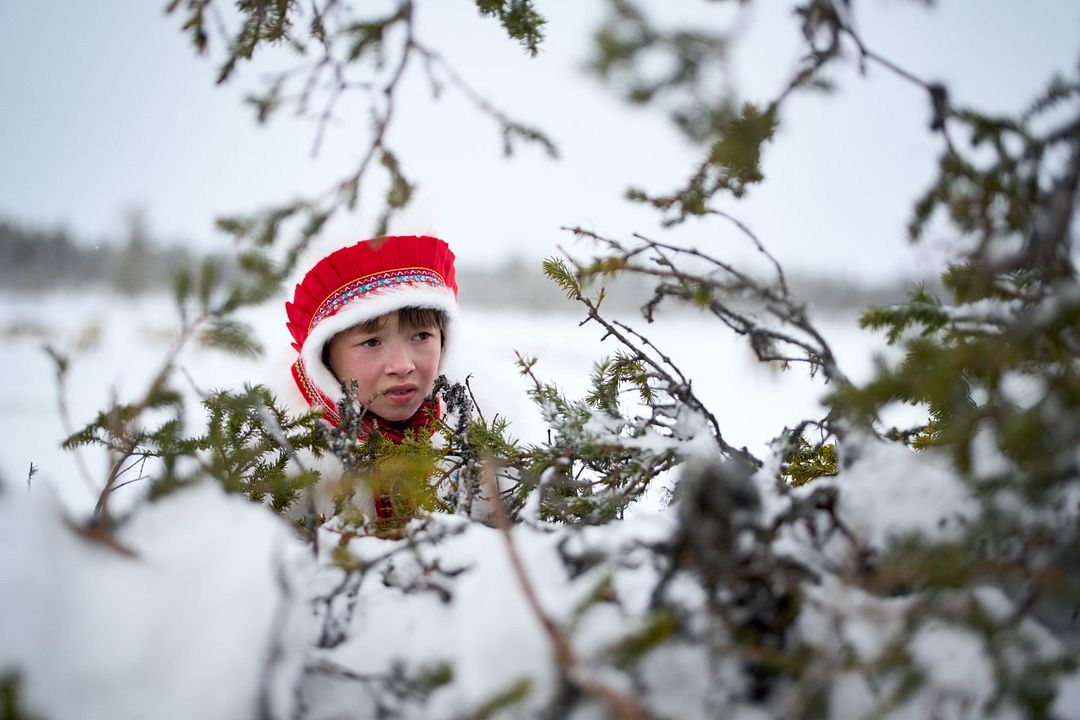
x: 347, y: 279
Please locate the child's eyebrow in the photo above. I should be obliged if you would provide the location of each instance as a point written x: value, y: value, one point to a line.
x: 364, y: 329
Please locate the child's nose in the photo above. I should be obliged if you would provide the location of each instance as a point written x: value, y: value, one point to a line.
x: 399, y: 360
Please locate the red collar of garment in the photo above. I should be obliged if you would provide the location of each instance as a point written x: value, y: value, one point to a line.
x: 424, y: 418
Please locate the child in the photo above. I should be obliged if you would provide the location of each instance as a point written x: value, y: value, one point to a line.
x: 379, y: 313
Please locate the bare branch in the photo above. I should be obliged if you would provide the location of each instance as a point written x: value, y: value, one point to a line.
x: 621, y: 706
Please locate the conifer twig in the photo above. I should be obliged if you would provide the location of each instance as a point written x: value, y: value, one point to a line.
x: 472, y: 397
x: 685, y: 285
x: 100, y: 521
x: 679, y: 387
x: 61, y: 363
x: 620, y: 705
x: 745, y: 230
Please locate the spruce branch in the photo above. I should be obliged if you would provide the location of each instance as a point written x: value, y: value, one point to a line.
x: 379, y: 51
x: 119, y: 428
x: 511, y: 129
x: 663, y: 368
x: 625, y: 52
x: 708, y: 289
x: 237, y: 448
x: 746, y: 231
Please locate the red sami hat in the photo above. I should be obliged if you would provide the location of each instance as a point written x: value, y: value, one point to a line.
x: 359, y: 283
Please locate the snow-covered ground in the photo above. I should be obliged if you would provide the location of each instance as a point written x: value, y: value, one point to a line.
x: 225, y: 613
x: 100, y: 636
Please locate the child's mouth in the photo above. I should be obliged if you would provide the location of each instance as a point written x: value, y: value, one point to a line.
x: 399, y: 395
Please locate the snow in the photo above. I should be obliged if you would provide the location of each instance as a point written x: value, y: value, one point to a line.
x: 185, y: 629
x: 845, y: 618
x: 224, y: 613
x: 1022, y: 389
x: 987, y: 460
x: 678, y: 678
x: 955, y: 664
x: 890, y: 491
x: 1067, y: 703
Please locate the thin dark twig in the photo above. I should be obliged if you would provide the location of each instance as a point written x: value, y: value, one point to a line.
x: 65, y: 414
x: 683, y: 381
x: 621, y: 706
x: 482, y: 104
x: 389, y: 92
x: 527, y: 370
x: 129, y: 447
x: 140, y: 461
x: 133, y: 480
x: 472, y: 397
x: 778, y: 302
x: 678, y: 387
x: 337, y: 87
x: 757, y: 243
x: 938, y: 96
x: 694, y: 252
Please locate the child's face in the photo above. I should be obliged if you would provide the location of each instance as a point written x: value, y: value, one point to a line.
x: 394, y: 365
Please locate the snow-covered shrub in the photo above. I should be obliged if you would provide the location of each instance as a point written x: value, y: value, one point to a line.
x: 857, y: 570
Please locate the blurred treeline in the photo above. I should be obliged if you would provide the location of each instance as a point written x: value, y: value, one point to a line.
x: 36, y: 260
x: 521, y: 284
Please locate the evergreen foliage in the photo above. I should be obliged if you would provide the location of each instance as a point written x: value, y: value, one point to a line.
x: 11, y: 701
x: 759, y: 556
x: 519, y: 18
x: 354, y: 48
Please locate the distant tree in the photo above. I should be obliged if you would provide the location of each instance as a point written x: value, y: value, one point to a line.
x: 38, y: 260
x: 135, y: 269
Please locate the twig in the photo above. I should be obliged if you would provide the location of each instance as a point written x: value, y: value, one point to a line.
x: 938, y: 96
x: 778, y: 303
x: 620, y: 705
x: 101, y: 536
x: 757, y: 243
x: 100, y: 518
x: 382, y: 123
x: 473, y: 398
x: 483, y: 104
x: 679, y: 387
x: 61, y: 363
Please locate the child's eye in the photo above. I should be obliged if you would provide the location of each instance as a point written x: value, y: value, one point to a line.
x: 423, y: 335
x: 369, y: 343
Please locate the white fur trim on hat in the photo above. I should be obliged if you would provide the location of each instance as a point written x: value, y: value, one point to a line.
x: 368, y: 307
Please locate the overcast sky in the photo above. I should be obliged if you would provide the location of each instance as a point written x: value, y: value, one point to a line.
x: 106, y: 108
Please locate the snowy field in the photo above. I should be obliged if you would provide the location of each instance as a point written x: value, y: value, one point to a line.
x: 225, y: 614
x: 116, y: 344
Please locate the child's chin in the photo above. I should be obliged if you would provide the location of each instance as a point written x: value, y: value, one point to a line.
x: 398, y: 413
